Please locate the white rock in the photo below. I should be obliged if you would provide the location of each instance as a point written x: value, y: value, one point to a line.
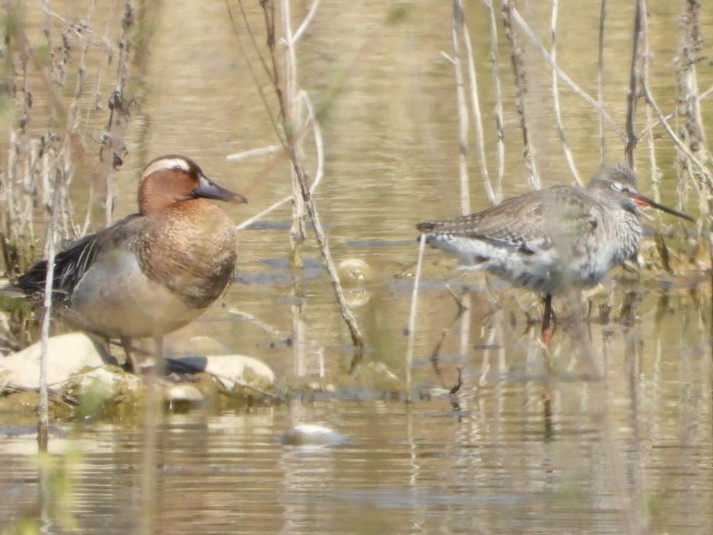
x: 67, y: 355
x: 108, y: 383
x: 183, y: 392
x: 232, y: 369
x: 312, y: 435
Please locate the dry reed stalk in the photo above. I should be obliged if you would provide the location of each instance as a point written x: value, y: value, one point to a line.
x: 311, y: 14
x: 494, y: 195
x: 463, y: 124
x: 291, y: 118
x: 43, y: 406
x: 19, y: 195
x: 270, y: 150
x: 555, y: 95
x: 522, y: 24
x: 56, y: 173
x: 634, y: 78
x: 651, y: 145
x: 319, y: 171
x: 413, y: 310
x: 72, y: 126
x: 460, y: 33
x: 39, y: 166
x: 498, y: 96
x: 285, y: 86
x: 518, y: 66
x: 699, y: 169
x: 693, y: 156
x: 600, y: 81
x: 672, y: 115
x: 114, y: 140
x: 689, y: 111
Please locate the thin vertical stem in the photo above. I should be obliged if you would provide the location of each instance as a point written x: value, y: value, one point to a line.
x: 518, y: 66
x: 43, y: 408
x: 117, y: 125
x: 632, y: 97
x: 293, y: 138
x: 493, y: 195
x: 514, y: 16
x: 498, y: 95
x: 411, y: 328
x: 463, y: 123
x: 650, y: 143
x: 291, y: 119
x: 555, y: 94
x: 600, y: 81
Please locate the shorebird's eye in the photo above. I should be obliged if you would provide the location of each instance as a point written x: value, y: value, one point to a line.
x: 177, y: 168
x: 618, y: 186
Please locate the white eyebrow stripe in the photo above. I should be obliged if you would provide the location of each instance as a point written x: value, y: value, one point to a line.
x: 167, y: 163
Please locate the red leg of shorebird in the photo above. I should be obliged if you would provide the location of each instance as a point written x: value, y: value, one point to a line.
x: 548, y: 323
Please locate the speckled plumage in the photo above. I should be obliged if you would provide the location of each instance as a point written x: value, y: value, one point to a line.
x: 552, y: 239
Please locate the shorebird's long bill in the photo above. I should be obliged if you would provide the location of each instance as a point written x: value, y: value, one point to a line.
x: 645, y: 201
x: 208, y: 189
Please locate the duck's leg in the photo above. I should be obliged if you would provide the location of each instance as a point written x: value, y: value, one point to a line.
x: 129, y: 365
x: 160, y: 358
x: 548, y: 322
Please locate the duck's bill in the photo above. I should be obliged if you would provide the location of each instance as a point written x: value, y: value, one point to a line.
x: 645, y: 201
x: 208, y: 189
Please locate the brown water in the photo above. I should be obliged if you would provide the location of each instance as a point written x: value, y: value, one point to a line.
x: 610, y: 434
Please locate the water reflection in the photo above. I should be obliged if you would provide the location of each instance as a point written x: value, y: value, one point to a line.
x: 610, y: 433
x: 495, y: 465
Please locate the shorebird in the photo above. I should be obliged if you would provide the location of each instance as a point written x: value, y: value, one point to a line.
x: 152, y: 272
x: 554, y: 239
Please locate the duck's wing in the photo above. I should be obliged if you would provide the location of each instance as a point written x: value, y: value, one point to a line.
x: 72, y: 263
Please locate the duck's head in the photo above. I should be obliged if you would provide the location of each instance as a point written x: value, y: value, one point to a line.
x: 173, y: 178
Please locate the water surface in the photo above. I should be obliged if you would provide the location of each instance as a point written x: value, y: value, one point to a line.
x: 610, y: 433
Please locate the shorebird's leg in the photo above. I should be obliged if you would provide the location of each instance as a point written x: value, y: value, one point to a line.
x: 548, y: 322
x: 462, y: 307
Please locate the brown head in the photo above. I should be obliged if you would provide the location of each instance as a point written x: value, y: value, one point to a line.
x: 172, y: 179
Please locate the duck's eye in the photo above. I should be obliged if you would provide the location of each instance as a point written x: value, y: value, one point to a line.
x: 618, y: 186
x: 178, y: 168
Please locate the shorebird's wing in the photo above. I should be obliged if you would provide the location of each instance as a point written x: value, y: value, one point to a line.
x: 527, y: 222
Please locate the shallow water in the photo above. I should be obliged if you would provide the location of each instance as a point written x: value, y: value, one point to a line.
x: 611, y: 433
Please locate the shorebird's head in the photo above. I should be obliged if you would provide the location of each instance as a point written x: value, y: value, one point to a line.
x: 619, y: 182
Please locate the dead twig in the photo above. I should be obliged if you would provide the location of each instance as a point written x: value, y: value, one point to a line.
x: 632, y: 97
x: 285, y: 86
x: 518, y: 66
x: 555, y: 95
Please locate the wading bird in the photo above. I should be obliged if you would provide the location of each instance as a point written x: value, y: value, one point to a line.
x: 553, y: 239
